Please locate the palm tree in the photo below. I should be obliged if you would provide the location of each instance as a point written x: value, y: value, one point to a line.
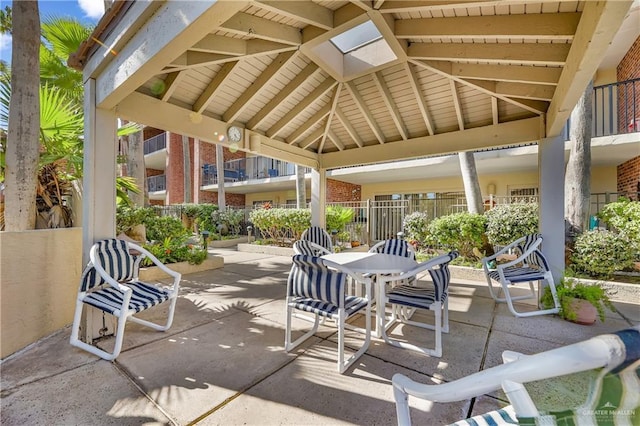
x: 471, y: 184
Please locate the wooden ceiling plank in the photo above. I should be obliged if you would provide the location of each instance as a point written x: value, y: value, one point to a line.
x: 525, y: 91
x: 560, y: 26
x: 365, y: 112
x: 309, y: 13
x: 312, y: 138
x: 312, y: 121
x: 267, y: 76
x: 525, y: 53
x: 315, y: 94
x: 245, y: 24
x: 441, y: 70
x: 348, y: 127
x: 171, y: 83
x: 207, y: 95
x: 333, y: 105
x: 391, y: 106
x: 422, y: 104
x: 283, y: 94
x: 456, y: 104
x: 599, y: 24
x: 335, y: 140
x: 513, y: 73
x: 406, y: 6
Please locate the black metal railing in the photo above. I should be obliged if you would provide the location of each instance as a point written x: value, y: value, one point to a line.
x: 251, y: 168
x: 616, y: 108
x: 157, y: 183
x: 155, y: 143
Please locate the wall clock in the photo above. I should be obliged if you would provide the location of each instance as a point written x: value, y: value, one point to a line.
x: 234, y: 133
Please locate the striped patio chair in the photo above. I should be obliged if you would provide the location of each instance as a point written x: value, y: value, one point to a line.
x: 613, y: 391
x: 317, y: 286
x: 529, y: 266
x: 110, y: 283
x: 317, y: 235
x: 406, y: 298
x: 397, y: 247
x: 309, y: 248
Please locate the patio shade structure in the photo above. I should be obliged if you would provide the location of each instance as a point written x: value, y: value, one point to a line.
x: 330, y: 84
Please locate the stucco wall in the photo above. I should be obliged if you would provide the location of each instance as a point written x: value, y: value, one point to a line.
x: 39, y: 275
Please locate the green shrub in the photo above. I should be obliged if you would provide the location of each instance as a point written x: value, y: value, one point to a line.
x: 275, y: 224
x: 600, y: 253
x: 128, y: 217
x: 161, y: 227
x: 508, y: 222
x: 337, y: 217
x: 229, y: 218
x: 204, y: 217
x: 624, y: 217
x: 173, y: 251
x: 459, y: 231
x: 570, y: 289
x: 416, y: 227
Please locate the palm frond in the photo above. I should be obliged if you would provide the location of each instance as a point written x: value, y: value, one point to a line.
x: 129, y: 129
x: 64, y: 35
x: 59, y: 115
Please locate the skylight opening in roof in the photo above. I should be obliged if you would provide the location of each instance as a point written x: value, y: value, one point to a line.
x: 356, y: 37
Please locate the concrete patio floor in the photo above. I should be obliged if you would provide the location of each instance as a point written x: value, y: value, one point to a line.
x: 223, y: 361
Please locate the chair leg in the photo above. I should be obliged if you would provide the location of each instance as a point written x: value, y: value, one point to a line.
x: 158, y: 327
x: 288, y: 344
x: 554, y: 310
x: 343, y: 364
x: 75, y: 341
x: 437, y: 309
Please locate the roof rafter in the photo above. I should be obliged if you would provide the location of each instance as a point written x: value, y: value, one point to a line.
x: 561, y: 26
x: 348, y: 127
x: 312, y: 138
x: 422, y: 104
x: 315, y: 94
x: 311, y: 122
x: 391, y: 106
x: 335, y: 140
x: 523, y: 53
x: 456, y: 104
x: 514, y: 73
x: 494, y: 110
x: 171, y: 83
x: 214, y: 85
x: 309, y: 13
x: 245, y: 24
x: 365, y: 112
x: 406, y: 6
x: 267, y: 76
x: 334, y: 105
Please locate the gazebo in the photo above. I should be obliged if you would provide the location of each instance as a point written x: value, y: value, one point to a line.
x: 330, y: 84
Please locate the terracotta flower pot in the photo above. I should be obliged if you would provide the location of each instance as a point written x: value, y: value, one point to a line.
x: 586, y: 313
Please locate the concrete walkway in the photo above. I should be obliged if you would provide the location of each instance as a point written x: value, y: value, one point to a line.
x: 223, y: 361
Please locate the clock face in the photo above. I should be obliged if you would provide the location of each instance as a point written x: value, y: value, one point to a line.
x: 234, y: 133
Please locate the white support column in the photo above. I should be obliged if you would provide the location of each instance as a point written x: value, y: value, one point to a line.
x: 99, y: 179
x: 220, y: 171
x: 551, y: 188
x: 98, y: 195
x: 318, y: 196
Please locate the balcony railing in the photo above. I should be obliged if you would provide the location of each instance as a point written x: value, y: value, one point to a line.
x: 616, y: 108
x: 157, y: 183
x: 155, y: 143
x: 251, y: 168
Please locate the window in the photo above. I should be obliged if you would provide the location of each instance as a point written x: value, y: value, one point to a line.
x: 356, y: 37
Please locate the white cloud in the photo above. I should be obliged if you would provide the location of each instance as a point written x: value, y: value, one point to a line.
x: 92, y: 8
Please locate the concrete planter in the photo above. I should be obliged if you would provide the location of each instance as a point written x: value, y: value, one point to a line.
x: 228, y: 243
x: 272, y: 250
x: 154, y: 273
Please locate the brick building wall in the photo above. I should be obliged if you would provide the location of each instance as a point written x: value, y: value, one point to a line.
x: 208, y: 156
x: 175, y: 169
x: 629, y: 177
x: 628, y: 69
x: 338, y: 191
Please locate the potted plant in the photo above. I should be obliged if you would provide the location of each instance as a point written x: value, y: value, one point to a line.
x: 357, y: 231
x: 580, y: 303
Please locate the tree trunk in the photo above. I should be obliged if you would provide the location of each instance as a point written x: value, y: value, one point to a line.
x: 577, y: 186
x: 136, y: 169
x: 220, y: 171
x: 301, y: 188
x: 471, y: 184
x: 186, y: 160
x: 23, y: 142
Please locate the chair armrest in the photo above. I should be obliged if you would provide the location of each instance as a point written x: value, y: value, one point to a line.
x: 374, y: 249
x: 517, y: 260
x: 366, y: 280
x: 176, y: 275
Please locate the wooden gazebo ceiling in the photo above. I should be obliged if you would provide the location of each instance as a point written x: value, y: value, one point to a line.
x: 489, y: 73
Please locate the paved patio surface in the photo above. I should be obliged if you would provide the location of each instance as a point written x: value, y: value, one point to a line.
x: 223, y: 363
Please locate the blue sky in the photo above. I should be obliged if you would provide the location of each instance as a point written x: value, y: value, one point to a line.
x: 87, y: 11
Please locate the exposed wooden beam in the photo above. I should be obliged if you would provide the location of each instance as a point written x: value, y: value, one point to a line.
x: 283, y: 94
x: 366, y: 5
x: 399, y: 6
x: 547, y: 26
x: 365, y: 112
x: 267, y: 76
x: 422, y: 103
x: 333, y: 105
x: 207, y: 95
x: 254, y: 26
x: 336, y: 140
x: 312, y: 138
x: 213, y: 43
x: 378, y: 4
x: 494, y: 110
x: 540, y: 106
x: 191, y: 59
x: 348, y: 127
x: 513, y: 73
x: 599, y: 24
x: 315, y: 94
x: 308, y: 12
x: 522, y: 53
x: 321, y: 143
x: 517, y: 90
x: 391, y: 106
x: 175, y: 27
x: 311, y: 122
x: 171, y: 83
x: 456, y: 104
x: 501, y: 135
x: 350, y: 11
x: 446, y: 72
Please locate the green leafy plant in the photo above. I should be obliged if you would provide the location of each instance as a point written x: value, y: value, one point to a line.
x: 570, y: 289
x: 205, y: 217
x: 459, y: 231
x: 170, y: 250
x: 161, y: 227
x: 624, y: 217
x: 128, y: 217
x: 601, y: 253
x: 416, y: 227
x: 508, y: 222
x: 229, y: 218
x: 277, y: 224
x: 337, y: 217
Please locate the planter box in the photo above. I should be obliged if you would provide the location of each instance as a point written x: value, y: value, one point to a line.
x: 154, y: 273
x: 228, y: 243
x: 272, y: 250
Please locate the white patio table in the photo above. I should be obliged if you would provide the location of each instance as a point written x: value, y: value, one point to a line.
x: 374, y: 263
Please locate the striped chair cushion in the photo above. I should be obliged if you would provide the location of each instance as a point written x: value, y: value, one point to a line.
x: 397, y: 247
x: 307, y: 247
x: 415, y: 297
x: 352, y: 304
x: 530, y: 241
x: 517, y: 274
x: 318, y: 235
x: 113, y: 255
x: 144, y: 296
x: 310, y: 278
x: 504, y: 416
